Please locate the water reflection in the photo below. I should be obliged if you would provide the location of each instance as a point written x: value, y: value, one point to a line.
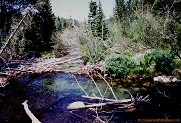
x: 49, y: 95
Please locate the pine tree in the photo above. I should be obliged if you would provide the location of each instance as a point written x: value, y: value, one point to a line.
x: 120, y: 9
x: 96, y: 20
x: 100, y: 26
x: 58, y: 23
x: 92, y: 16
x: 43, y: 25
x: 9, y: 10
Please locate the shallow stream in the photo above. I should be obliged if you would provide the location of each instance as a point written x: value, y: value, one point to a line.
x: 49, y: 95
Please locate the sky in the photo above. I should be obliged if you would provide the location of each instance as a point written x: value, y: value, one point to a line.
x: 79, y: 9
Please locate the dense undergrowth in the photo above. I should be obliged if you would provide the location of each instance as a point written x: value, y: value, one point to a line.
x: 140, y: 44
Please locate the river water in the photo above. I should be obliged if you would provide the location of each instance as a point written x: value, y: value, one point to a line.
x: 49, y: 95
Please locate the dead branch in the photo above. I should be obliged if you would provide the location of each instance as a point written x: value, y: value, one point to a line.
x: 142, y: 99
x: 29, y: 113
x: 97, y: 116
x: 112, y: 100
x: 79, y: 84
x: 67, y: 60
x: 96, y: 86
x: 108, y: 85
x: 163, y: 93
x: 81, y: 105
x: 9, y: 39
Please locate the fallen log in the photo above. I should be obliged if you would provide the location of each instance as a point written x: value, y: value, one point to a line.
x: 29, y: 113
x: 82, y: 105
x: 61, y: 62
x: 113, y: 100
x: 122, y: 104
x: 125, y: 105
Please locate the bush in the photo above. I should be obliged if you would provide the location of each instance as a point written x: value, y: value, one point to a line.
x: 145, y: 28
x: 141, y: 68
x: 58, y: 48
x: 93, y: 50
x: 163, y: 61
x: 119, y: 65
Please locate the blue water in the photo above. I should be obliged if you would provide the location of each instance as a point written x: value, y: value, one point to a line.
x: 49, y: 95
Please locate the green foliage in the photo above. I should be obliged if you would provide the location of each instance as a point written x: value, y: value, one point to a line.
x: 148, y: 63
x: 163, y: 61
x: 141, y: 67
x: 119, y: 9
x: 9, y: 10
x: 146, y: 29
x: 60, y: 24
x: 96, y: 20
x: 42, y: 26
x: 92, y: 16
x: 93, y: 50
x: 119, y: 65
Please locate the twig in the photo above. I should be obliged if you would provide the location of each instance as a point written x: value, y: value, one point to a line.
x: 162, y: 93
x: 97, y: 116
x: 132, y: 98
x: 79, y: 84
x: 111, y: 116
x: 108, y: 85
x: 96, y: 87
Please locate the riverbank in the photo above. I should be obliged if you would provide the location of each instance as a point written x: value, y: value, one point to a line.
x: 72, y: 64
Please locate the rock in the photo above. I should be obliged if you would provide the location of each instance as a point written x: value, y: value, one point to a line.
x: 165, y: 79
x: 76, y: 105
x: 174, y: 79
x: 143, y: 89
x: 157, y: 79
x: 147, y: 84
x: 114, y: 83
x: 135, y: 85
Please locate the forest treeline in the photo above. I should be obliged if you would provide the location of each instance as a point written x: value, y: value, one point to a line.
x: 142, y: 37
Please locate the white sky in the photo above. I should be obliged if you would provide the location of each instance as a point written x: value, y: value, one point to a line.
x: 79, y: 9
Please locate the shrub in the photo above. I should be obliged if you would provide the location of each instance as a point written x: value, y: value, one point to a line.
x: 119, y: 65
x: 58, y: 48
x: 140, y: 68
x: 148, y: 29
x: 163, y: 61
x: 93, y: 50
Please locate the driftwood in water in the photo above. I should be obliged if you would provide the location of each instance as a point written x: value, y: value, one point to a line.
x: 112, y: 100
x: 122, y: 104
x: 80, y: 105
x: 29, y: 113
x: 125, y: 105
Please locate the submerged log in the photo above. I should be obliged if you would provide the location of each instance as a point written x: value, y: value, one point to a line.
x: 29, y: 113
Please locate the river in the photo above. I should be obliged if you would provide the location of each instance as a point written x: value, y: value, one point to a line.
x: 49, y: 95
